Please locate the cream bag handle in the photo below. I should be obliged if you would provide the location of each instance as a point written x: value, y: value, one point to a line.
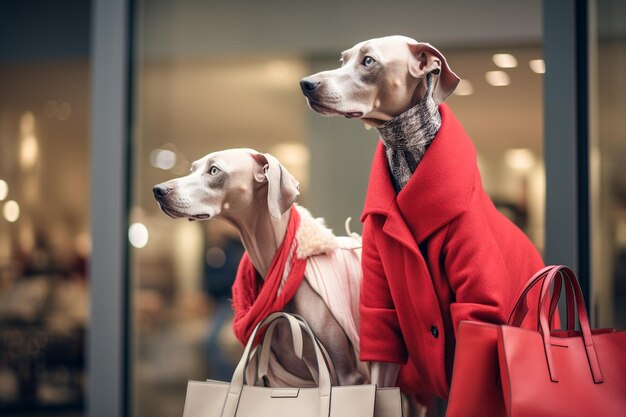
x: 265, y: 351
x: 236, y: 384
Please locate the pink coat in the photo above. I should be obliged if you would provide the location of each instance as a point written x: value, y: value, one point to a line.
x: 435, y: 254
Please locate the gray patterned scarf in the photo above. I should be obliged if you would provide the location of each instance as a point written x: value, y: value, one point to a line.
x: 407, y: 136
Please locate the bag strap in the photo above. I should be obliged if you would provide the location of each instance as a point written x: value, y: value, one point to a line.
x: 297, y: 344
x: 265, y: 353
x: 554, y: 303
x: 236, y: 386
x: 519, y: 311
x: 568, y: 275
x: 329, y: 362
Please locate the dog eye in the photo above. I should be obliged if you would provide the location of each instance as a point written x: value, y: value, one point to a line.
x: 368, y: 61
x: 214, y: 170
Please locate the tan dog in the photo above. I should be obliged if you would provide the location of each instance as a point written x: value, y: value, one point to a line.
x: 379, y: 79
x: 385, y: 82
x: 254, y: 192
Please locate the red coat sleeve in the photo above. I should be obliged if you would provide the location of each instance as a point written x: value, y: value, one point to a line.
x: 476, y: 265
x: 381, y: 337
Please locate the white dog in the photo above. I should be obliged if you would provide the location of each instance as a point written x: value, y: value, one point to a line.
x: 255, y: 193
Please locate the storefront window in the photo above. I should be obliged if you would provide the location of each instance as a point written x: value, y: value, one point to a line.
x: 44, y: 233
x: 210, y: 78
x: 608, y: 173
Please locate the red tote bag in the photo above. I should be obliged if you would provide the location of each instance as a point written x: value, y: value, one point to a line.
x: 569, y: 373
x: 476, y: 389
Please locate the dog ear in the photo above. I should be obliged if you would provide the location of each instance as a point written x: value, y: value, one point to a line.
x: 282, y: 187
x: 425, y: 59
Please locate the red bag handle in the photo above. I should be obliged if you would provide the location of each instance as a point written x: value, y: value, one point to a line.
x: 554, y: 303
x: 519, y: 311
x: 568, y: 275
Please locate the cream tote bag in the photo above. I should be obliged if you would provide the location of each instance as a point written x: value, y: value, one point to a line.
x: 237, y: 399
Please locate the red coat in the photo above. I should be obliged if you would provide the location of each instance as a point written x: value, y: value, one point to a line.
x: 434, y: 254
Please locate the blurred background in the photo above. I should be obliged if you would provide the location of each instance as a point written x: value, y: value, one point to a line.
x: 213, y: 75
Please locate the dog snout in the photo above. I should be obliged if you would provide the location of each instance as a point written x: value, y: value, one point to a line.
x: 308, y: 85
x: 160, y: 190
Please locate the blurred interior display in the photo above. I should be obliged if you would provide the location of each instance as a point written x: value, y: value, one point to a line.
x: 607, y: 156
x: 44, y: 237
x: 44, y: 242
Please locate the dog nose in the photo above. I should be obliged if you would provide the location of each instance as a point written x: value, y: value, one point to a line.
x: 160, y: 190
x: 307, y: 85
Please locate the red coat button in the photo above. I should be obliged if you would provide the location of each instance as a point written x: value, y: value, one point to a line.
x: 434, y: 331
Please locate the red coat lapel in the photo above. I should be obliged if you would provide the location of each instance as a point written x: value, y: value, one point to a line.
x: 381, y: 199
x: 437, y: 192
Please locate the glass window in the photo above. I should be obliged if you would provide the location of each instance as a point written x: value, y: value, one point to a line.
x: 214, y: 77
x: 608, y: 174
x: 44, y: 232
